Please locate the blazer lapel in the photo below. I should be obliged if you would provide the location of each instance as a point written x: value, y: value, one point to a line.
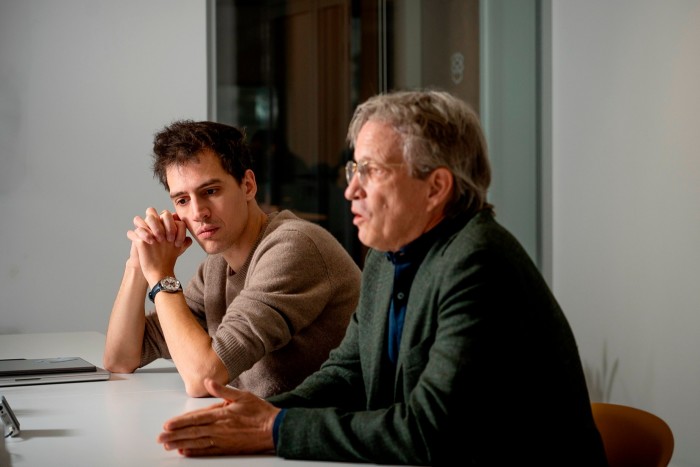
x: 375, y: 344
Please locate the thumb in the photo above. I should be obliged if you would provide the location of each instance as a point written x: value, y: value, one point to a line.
x: 223, y: 392
x: 186, y: 243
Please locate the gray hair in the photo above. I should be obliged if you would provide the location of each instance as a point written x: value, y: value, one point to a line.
x: 437, y: 130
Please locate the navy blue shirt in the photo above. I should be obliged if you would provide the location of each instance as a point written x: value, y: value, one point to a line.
x: 404, y: 272
x: 406, y: 262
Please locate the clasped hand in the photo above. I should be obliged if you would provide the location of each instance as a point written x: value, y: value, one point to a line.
x: 156, y: 242
x: 240, y: 424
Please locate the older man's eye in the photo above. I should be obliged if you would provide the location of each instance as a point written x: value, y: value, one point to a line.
x: 375, y: 170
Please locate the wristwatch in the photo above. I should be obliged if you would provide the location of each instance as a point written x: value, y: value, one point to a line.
x: 167, y: 284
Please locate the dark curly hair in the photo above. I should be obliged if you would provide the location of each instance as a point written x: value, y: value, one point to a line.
x: 184, y: 140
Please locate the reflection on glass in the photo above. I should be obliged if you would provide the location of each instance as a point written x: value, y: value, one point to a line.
x: 292, y: 71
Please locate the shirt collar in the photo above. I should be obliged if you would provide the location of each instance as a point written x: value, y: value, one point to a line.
x: 417, y: 249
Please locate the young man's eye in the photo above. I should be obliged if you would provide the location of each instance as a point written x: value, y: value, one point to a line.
x: 211, y: 191
x: 181, y: 201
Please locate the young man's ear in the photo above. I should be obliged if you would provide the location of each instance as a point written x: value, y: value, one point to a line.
x: 440, y: 182
x: 251, y: 186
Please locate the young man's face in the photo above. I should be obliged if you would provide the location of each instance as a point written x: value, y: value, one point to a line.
x: 211, y: 203
x: 389, y: 206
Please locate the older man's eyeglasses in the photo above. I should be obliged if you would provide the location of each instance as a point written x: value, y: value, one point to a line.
x: 367, y: 171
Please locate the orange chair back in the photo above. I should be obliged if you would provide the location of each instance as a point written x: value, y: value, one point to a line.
x: 633, y: 437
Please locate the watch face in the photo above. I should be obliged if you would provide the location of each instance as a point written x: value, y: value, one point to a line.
x: 170, y: 284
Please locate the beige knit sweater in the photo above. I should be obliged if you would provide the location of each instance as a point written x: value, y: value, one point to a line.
x: 273, y: 322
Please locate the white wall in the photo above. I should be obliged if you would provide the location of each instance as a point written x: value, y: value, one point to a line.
x: 626, y: 198
x: 84, y: 85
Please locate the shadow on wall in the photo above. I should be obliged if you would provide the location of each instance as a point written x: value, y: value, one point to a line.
x: 600, y: 381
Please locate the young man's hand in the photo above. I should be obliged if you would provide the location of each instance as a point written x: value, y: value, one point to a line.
x: 157, y: 241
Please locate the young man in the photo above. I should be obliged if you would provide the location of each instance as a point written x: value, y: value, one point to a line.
x: 272, y: 298
x: 457, y: 352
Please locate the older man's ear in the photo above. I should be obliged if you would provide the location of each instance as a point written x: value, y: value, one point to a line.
x: 440, y: 183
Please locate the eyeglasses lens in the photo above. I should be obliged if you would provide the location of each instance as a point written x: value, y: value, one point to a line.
x: 350, y: 169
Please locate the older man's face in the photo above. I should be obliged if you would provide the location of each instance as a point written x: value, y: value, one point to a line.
x: 389, y: 206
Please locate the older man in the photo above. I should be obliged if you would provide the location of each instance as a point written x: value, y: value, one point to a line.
x: 457, y: 351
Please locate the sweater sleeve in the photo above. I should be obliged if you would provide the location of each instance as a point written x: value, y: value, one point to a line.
x: 286, y: 287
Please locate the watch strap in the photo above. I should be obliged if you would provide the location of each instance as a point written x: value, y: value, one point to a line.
x: 159, y: 287
x: 152, y: 293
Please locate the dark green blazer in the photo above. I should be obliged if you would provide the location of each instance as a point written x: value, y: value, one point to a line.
x: 488, y: 368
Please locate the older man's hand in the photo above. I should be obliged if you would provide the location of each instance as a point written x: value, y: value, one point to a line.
x: 241, y: 424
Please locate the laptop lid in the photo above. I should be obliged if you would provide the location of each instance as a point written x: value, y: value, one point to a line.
x: 28, y: 371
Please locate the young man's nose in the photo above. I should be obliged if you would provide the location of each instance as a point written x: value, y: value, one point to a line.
x: 200, y: 211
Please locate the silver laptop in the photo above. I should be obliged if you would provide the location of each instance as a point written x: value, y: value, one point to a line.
x: 30, y: 371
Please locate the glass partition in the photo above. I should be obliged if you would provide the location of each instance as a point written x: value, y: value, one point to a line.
x: 292, y: 71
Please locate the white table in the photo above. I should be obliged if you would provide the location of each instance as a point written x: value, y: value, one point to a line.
x: 102, y: 423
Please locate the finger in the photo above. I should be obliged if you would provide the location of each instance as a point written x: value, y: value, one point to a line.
x: 180, y: 437
x: 141, y: 225
x: 140, y: 234
x: 181, y: 232
x: 199, y: 452
x: 133, y: 251
x: 151, y: 211
x: 196, y: 418
x: 182, y: 239
x: 189, y: 420
x: 208, y: 451
x: 169, y: 224
x: 140, y: 222
x: 200, y: 446
x: 155, y: 224
x: 196, y: 443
